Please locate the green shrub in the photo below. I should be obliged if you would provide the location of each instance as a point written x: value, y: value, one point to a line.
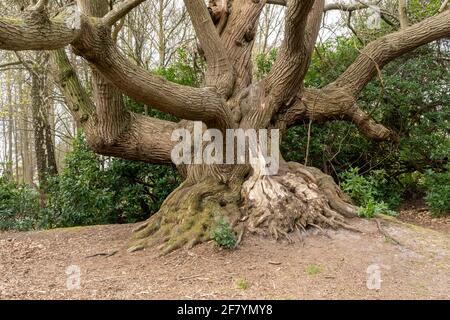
x: 100, y: 190
x: 224, y: 235
x: 366, y: 192
x: 19, y: 205
x: 187, y: 69
x: 420, y: 121
x: 357, y: 187
x: 437, y: 191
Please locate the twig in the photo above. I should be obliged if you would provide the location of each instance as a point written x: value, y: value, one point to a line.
x: 443, y: 7
x: 103, y: 254
x: 189, y: 277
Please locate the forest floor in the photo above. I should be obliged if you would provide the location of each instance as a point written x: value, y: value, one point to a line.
x: 340, y: 265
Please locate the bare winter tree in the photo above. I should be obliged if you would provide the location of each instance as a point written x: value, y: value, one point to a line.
x: 298, y: 196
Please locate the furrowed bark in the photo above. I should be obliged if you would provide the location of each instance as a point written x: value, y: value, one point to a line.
x: 238, y: 38
x: 292, y: 63
x: 110, y: 128
x: 333, y: 6
x: 145, y: 139
x: 40, y: 5
x: 332, y: 103
x: 297, y: 197
x: 93, y: 41
x: 403, y: 14
x: 286, y: 80
x: 112, y: 117
x: 35, y: 31
x: 349, y: 6
x: 220, y: 72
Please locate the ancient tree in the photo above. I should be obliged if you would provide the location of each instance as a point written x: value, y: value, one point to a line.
x: 297, y: 197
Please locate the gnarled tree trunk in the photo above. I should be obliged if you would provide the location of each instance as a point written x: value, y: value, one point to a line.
x: 295, y: 198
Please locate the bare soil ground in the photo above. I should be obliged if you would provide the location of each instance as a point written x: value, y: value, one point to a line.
x: 33, y: 265
x: 416, y: 212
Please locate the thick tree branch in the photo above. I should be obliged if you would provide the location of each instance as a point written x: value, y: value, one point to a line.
x: 349, y: 6
x: 331, y: 103
x: 313, y: 25
x: 36, y: 32
x: 112, y: 118
x: 185, y: 102
x: 277, y: 2
x: 286, y: 78
x: 293, y: 59
x: 220, y: 71
x: 444, y: 6
x: 338, y: 99
x: 120, y: 11
x: 91, y: 39
x: 385, y: 49
x: 128, y: 143
x: 78, y: 101
x: 238, y: 37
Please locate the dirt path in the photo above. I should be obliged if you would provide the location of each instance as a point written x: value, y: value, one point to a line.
x: 33, y: 265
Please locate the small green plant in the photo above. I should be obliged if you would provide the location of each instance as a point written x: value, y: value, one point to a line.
x: 95, y: 190
x: 357, y: 187
x: 372, y: 208
x: 224, y: 235
x: 312, y: 270
x: 242, y: 284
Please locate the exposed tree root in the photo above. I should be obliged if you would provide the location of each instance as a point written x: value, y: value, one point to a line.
x: 282, y: 206
x: 297, y: 198
x: 385, y: 233
x: 187, y: 217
